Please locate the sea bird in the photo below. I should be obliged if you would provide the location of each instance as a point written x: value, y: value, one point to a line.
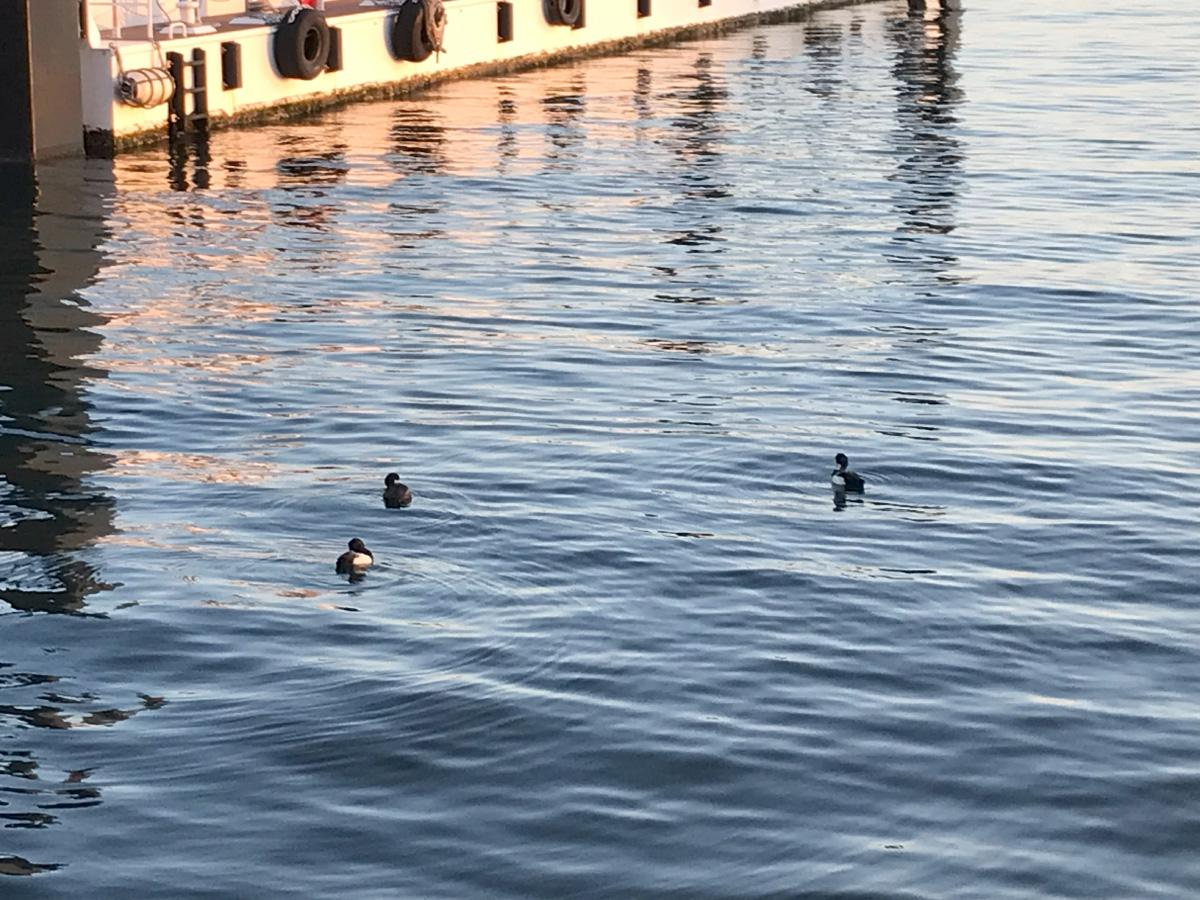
x: 395, y: 494
x: 843, y: 479
x: 354, y: 560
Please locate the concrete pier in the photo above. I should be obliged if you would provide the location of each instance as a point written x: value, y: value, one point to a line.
x: 16, y: 103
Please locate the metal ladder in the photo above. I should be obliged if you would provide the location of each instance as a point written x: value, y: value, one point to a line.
x: 179, y: 119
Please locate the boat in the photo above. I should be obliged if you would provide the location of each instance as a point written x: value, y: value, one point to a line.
x: 144, y: 70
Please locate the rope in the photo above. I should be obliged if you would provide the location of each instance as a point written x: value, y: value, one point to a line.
x: 435, y: 23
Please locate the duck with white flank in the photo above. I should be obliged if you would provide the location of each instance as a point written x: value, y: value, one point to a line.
x: 354, y: 560
x: 395, y: 494
x: 843, y: 479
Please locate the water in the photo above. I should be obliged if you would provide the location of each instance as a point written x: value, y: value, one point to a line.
x: 611, y: 322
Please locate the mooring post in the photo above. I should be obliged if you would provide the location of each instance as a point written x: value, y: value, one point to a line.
x: 40, y: 107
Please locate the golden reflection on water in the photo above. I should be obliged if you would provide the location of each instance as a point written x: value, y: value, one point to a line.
x: 174, y: 465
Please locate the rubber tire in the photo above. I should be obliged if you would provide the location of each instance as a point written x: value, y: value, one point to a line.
x: 292, y: 40
x: 564, y: 12
x: 408, y: 34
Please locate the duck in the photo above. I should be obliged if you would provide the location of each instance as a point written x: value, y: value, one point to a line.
x: 354, y: 560
x: 843, y: 479
x: 395, y: 494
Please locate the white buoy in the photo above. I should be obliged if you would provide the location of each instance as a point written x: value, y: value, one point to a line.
x: 146, y: 88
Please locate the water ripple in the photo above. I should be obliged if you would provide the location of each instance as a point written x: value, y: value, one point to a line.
x: 610, y: 322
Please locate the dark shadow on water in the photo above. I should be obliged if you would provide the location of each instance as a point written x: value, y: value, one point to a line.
x: 51, y: 228
x: 52, y: 225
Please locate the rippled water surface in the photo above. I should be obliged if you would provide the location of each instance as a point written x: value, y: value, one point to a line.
x: 611, y: 321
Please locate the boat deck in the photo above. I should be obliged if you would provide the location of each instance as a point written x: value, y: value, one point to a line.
x: 231, y: 23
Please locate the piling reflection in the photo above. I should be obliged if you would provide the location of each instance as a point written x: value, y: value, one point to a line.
x: 823, y: 42
x: 188, y: 160
x: 306, y: 173
x: 418, y: 145
x: 564, y: 106
x: 50, y: 231
x: 507, y: 145
x: 418, y: 140
x: 701, y: 132
x: 928, y: 175
x: 697, y: 137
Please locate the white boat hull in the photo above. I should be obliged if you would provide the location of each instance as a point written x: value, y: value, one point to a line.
x: 368, y: 67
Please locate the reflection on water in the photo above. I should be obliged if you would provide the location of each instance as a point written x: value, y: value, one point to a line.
x: 611, y: 322
x: 305, y: 175
x: 53, y: 507
x: 419, y: 141
x: 823, y: 44
x: 696, y: 142
x: 564, y: 106
x: 17, y: 865
x: 50, y: 504
x: 507, y: 140
x: 927, y: 182
x: 189, y: 159
x: 929, y: 161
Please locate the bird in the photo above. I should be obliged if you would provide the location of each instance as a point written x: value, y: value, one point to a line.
x: 354, y: 560
x: 843, y: 479
x: 395, y: 494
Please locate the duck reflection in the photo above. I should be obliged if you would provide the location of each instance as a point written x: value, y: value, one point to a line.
x: 50, y: 229
x: 840, y: 501
x: 929, y: 156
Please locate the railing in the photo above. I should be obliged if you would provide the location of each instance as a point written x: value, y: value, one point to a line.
x: 116, y: 16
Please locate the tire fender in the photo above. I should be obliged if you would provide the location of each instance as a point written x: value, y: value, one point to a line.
x: 302, y: 44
